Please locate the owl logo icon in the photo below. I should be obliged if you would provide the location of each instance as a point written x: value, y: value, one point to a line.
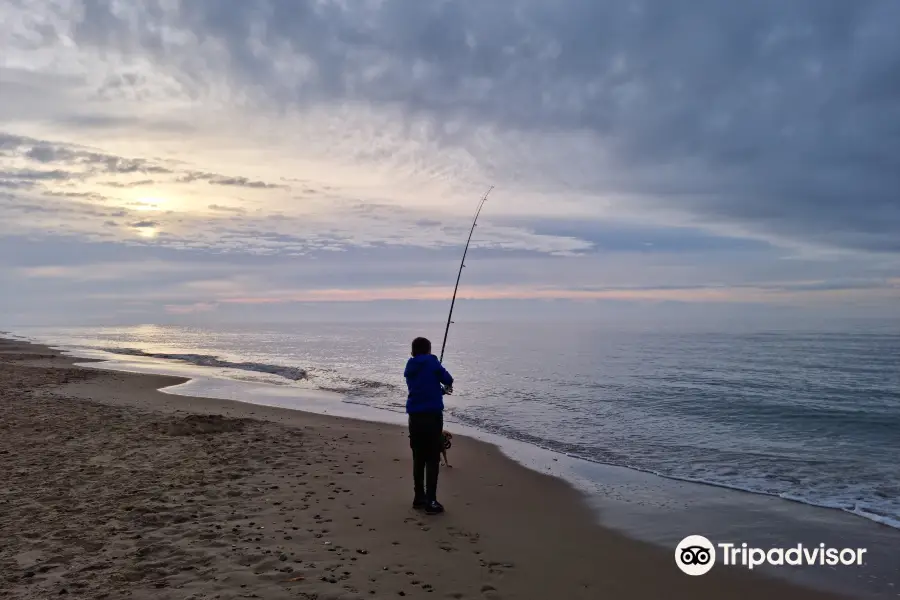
x: 695, y: 555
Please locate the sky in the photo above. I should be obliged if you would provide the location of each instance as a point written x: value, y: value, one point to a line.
x: 219, y: 161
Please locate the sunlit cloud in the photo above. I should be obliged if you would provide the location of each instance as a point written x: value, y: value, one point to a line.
x: 148, y: 232
x: 148, y: 203
x: 275, y: 218
x: 146, y: 229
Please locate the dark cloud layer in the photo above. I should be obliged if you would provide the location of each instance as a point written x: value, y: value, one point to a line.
x: 230, y: 209
x: 680, y: 150
x: 90, y: 164
x: 781, y: 116
x: 215, y: 179
x: 50, y: 153
x: 128, y: 184
x: 36, y: 175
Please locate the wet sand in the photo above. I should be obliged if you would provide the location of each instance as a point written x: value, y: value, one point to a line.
x: 112, y: 489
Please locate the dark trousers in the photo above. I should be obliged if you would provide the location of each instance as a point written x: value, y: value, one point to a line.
x: 425, y: 440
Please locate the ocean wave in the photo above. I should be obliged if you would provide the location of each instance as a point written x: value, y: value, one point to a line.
x: 847, y: 507
x: 350, y: 386
x: 864, y: 510
x: 208, y: 360
x: 327, y: 380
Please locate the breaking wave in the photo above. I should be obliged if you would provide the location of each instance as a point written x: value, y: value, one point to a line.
x: 208, y: 360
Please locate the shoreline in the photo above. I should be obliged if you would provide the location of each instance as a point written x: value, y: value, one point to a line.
x: 382, y: 415
x: 193, y: 367
x: 142, y: 391
x: 324, y: 402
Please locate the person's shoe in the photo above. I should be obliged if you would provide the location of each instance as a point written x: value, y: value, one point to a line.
x: 420, y: 503
x: 434, y: 508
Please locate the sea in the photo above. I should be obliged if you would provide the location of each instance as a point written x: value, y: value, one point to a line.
x: 808, y: 417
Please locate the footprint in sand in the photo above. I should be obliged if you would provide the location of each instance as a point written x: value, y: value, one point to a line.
x: 497, y: 568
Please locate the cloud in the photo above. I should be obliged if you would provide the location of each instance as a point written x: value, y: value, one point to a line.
x: 326, y: 222
x: 188, y: 309
x: 214, y: 179
x: 33, y: 175
x: 87, y: 195
x: 681, y: 146
x: 128, y: 184
x: 231, y: 209
x: 52, y: 275
x: 13, y: 184
x: 47, y: 152
x: 790, y: 294
x: 767, y: 116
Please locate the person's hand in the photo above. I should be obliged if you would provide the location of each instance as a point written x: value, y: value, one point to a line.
x: 448, y: 389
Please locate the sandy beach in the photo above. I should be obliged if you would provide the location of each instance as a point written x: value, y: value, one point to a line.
x: 111, y: 489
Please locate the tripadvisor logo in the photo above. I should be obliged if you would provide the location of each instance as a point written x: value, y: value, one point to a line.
x: 696, y: 555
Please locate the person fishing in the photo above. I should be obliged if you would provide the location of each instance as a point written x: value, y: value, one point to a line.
x: 427, y: 381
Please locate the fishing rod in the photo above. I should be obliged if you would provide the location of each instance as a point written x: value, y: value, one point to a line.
x: 461, y: 265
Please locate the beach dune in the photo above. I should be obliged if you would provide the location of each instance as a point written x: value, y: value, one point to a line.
x: 111, y: 489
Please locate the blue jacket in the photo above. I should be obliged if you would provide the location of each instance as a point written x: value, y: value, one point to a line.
x: 424, y: 375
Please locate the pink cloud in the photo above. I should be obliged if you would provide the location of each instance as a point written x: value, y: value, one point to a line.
x: 712, y: 294
x: 196, y: 307
x: 752, y: 294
